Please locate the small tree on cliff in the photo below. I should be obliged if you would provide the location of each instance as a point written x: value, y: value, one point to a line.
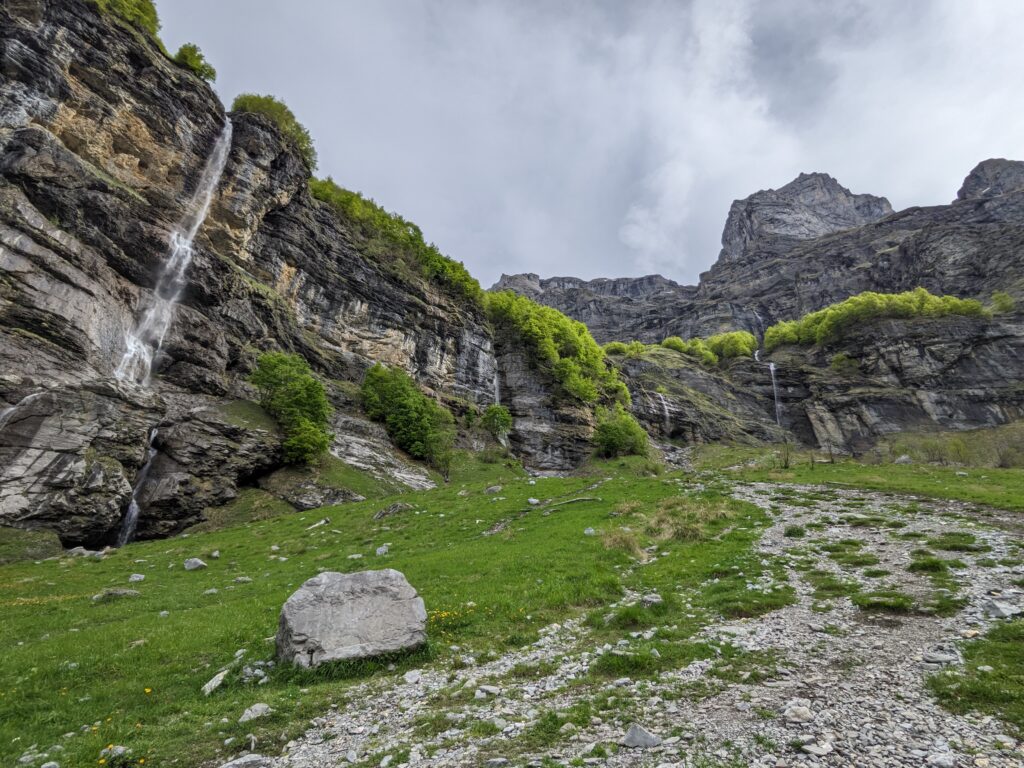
x: 296, y: 398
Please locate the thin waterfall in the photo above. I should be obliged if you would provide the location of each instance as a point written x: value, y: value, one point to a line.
x: 145, y: 339
x: 775, y: 394
x: 667, y: 423
x: 497, y: 389
x: 131, y: 517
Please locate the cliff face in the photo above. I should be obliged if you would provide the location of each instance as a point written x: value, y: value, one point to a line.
x: 809, y: 244
x: 102, y: 140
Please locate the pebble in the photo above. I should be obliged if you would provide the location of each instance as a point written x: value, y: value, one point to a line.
x: 194, y: 564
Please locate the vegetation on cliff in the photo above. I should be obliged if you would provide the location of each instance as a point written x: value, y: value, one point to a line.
x: 138, y: 13
x: 829, y: 324
x: 497, y: 420
x: 697, y: 348
x: 190, y: 57
x: 388, y: 236
x: 279, y: 113
x: 296, y: 399
x: 560, y: 345
x: 732, y: 344
x: 415, y: 422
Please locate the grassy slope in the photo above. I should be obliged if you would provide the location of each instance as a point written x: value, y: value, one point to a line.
x: 138, y: 676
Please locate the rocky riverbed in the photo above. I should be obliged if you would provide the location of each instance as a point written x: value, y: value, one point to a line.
x: 837, y: 678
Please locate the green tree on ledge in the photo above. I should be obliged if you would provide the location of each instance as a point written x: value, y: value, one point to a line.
x: 296, y: 399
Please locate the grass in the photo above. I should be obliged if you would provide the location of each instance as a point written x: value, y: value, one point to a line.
x: 995, y: 487
x: 998, y: 692
x: 957, y: 542
x: 16, y: 544
x: 884, y: 601
x: 128, y: 676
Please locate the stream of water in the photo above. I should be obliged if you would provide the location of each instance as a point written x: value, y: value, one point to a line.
x: 145, y: 339
x: 131, y: 518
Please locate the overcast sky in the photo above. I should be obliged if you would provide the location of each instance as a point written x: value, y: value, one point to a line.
x: 608, y: 138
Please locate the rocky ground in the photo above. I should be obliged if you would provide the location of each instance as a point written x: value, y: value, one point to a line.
x: 819, y: 682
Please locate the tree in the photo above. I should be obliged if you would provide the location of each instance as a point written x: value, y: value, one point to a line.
x: 618, y: 433
x: 297, y: 400
x: 190, y: 57
x: 416, y: 423
x: 283, y: 118
x: 497, y: 420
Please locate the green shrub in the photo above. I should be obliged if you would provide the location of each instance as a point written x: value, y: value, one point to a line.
x: 296, y: 399
x: 1002, y: 302
x: 697, y: 348
x: 558, y: 344
x: 635, y: 349
x: 829, y: 324
x: 283, y: 118
x: 732, y: 344
x: 416, y: 423
x: 389, y: 236
x: 138, y: 13
x: 190, y: 57
x: 618, y: 433
x: 615, y: 348
x: 497, y: 420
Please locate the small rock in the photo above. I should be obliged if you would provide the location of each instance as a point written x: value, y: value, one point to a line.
x: 413, y: 676
x: 589, y: 532
x: 214, y: 683
x: 818, y: 749
x: 1000, y: 609
x: 255, y: 711
x: 136, y: 577
x: 382, y: 550
x: 533, y: 502
x: 493, y: 489
x: 115, y: 593
x: 942, y: 760
x: 903, y: 459
x: 194, y: 564
x: 638, y: 737
x: 250, y: 761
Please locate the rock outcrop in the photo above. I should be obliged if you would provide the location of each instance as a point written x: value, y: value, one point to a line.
x: 102, y: 139
x: 340, y: 617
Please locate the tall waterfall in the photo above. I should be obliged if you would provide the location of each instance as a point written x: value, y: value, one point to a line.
x: 145, y: 339
x: 775, y: 394
x: 497, y: 389
x: 131, y: 517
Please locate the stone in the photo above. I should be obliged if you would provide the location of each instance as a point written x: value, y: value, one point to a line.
x: 335, y: 616
x: 250, y: 761
x: 135, y: 578
x: 393, y: 509
x: 589, y: 532
x: 942, y: 760
x: 818, y: 749
x: 903, y: 459
x: 533, y: 502
x: 114, y: 593
x: 638, y: 737
x: 194, y: 564
x: 798, y: 711
x: 413, y: 676
x: 382, y: 550
x: 1000, y: 609
x: 255, y: 711
x: 490, y: 490
x: 214, y: 682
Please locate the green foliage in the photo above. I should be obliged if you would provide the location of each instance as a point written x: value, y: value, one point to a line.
x: 1002, y: 302
x: 560, y: 345
x: 138, y: 13
x: 697, y: 348
x: 635, y: 349
x: 283, y: 118
x: 829, y: 324
x: 190, y: 57
x: 296, y: 399
x: 497, y: 420
x: 415, y: 422
x: 615, y: 348
x: 388, y: 235
x: 732, y: 344
x: 618, y: 433
x: 842, y: 363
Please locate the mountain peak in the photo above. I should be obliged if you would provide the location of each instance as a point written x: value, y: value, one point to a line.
x: 992, y: 177
x: 810, y: 206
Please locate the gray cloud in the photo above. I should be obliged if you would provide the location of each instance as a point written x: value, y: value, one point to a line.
x: 609, y: 138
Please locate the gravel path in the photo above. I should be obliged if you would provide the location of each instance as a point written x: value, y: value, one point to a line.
x: 847, y: 687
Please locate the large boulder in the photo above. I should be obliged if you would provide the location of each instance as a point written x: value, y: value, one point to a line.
x: 338, y: 616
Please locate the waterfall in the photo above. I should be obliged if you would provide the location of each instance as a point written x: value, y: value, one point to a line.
x: 775, y: 394
x: 665, y: 414
x: 145, y: 339
x: 757, y: 355
x: 131, y: 517
x: 497, y: 389
x: 9, y: 411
